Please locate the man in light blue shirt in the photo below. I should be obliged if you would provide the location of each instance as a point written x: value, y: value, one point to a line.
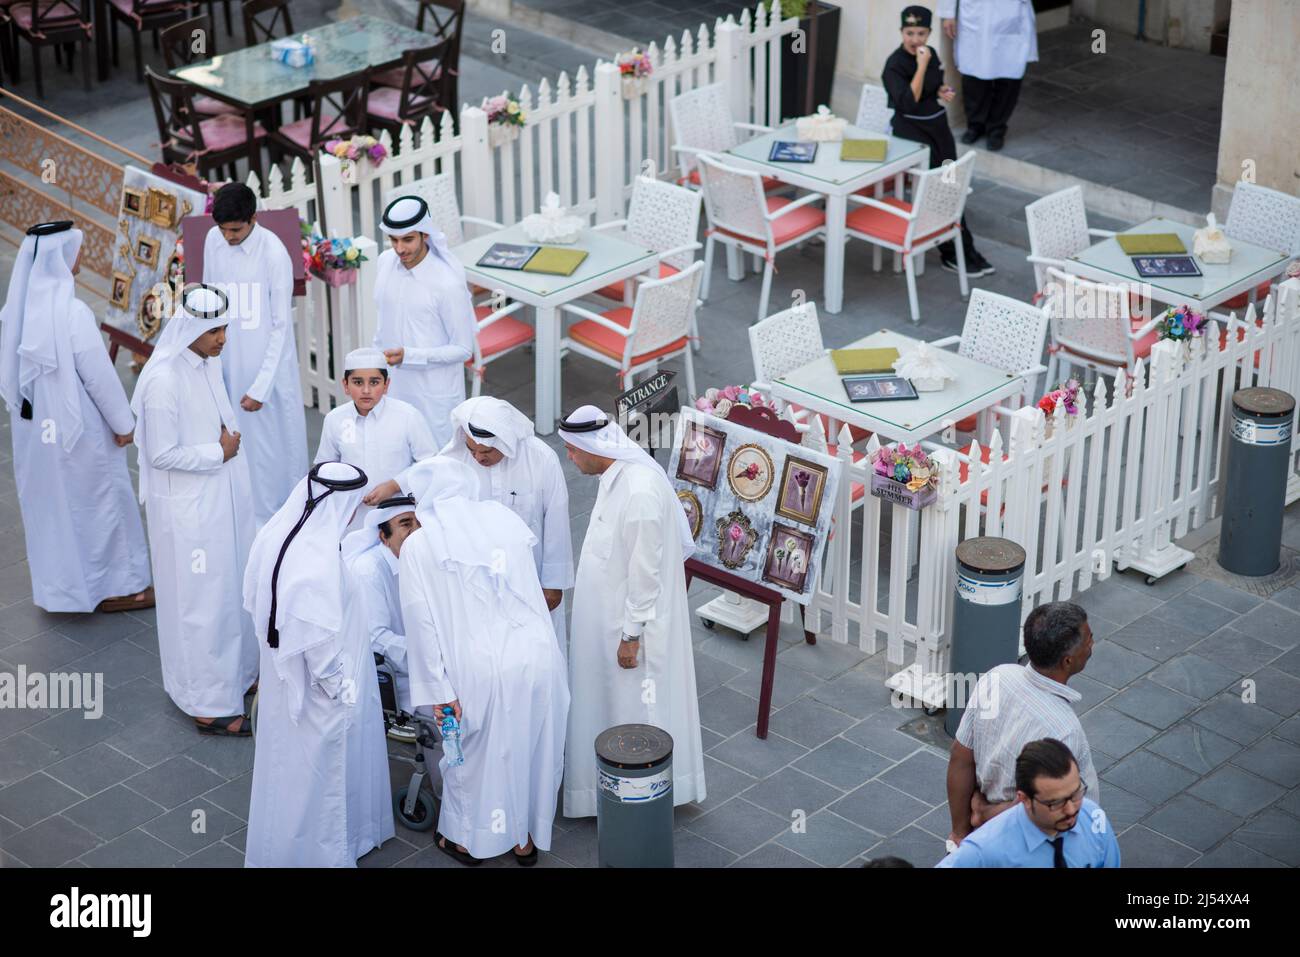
x: 1052, y: 825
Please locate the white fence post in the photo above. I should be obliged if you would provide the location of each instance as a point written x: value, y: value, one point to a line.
x: 732, y: 67
x: 611, y: 163
x: 335, y: 213
x: 477, y: 165
x: 364, y: 323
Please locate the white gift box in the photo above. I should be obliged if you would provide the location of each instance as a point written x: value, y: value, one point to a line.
x: 552, y: 224
x: 821, y: 127
x: 1209, y: 244
x: 925, y: 367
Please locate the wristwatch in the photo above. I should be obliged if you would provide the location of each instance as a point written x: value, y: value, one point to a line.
x: 631, y: 638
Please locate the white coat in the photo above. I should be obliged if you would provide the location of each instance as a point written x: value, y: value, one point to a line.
x: 995, y: 38
x: 631, y: 580
x: 261, y: 361
x: 375, y: 572
x: 200, y: 530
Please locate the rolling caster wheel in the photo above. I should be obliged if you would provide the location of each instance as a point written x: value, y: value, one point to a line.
x: 1151, y: 579
x: 706, y: 623
x: 932, y: 712
x: 422, y: 818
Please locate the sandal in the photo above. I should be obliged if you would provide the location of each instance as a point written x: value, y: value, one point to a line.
x: 223, y: 726
x: 525, y: 860
x: 128, y: 602
x: 450, y: 849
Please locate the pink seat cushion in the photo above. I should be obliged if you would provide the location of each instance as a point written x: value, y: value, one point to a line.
x: 149, y: 8
x: 1241, y: 300
x: 225, y: 132
x: 299, y: 131
x: 397, y: 75
x: 211, y: 107
x: 769, y: 182
x: 64, y: 17
x: 608, y: 342
x: 803, y: 220
x: 1141, y: 348
x: 615, y: 289
x: 874, y: 222
x: 387, y: 101
x: 502, y: 336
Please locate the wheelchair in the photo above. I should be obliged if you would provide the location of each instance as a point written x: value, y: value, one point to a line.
x: 414, y: 806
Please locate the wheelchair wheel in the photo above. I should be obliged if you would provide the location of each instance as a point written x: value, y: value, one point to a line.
x: 422, y: 818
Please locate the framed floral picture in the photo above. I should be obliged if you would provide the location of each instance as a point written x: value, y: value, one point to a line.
x: 736, y: 536
x: 691, y: 505
x: 802, y: 485
x: 750, y: 472
x: 790, y: 553
x: 701, y: 455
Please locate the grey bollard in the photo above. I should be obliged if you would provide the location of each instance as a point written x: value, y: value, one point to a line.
x: 634, y: 799
x: 985, y: 617
x: 1259, y: 459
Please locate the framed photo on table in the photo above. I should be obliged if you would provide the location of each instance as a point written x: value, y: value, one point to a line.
x: 877, y: 388
x: 701, y: 455
x: 801, y: 488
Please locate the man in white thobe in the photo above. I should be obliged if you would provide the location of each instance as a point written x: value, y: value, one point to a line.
x: 425, y: 325
x: 195, y: 488
x: 994, y: 39
x: 520, y: 471
x: 630, y: 645
x: 480, y: 643
x: 70, y: 423
x: 371, y: 553
x: 375, y: 432
x: 260, y: 364
x: 321, y: 795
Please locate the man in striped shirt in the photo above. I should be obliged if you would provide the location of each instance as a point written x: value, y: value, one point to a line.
x: 1013, y: 705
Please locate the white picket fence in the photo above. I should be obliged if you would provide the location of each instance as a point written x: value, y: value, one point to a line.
x: 583, y: 139
x: 1115, y: 484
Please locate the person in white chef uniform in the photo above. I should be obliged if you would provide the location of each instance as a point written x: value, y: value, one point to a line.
x: 425, y: 324
x: 70, y: 422
x: 995, y: 40
x: 523, y: 473
x: 479, y: 642
x: 195, y: 488
x: 320, y: 794
x: 630, y: 653
x: 260, y: 364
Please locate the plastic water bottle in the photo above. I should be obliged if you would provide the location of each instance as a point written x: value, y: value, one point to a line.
x: 450, y: 731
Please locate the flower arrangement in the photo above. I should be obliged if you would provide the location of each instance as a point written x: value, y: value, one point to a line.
x: 1293, y: 269
x: 720, y: 402
x: 910, y: 467
x: 1067, y: 394
x: 633, y: 63
x: 1181, y: 324
x: 335, y: 260
x: 357, y: 147
x: 504, y: 110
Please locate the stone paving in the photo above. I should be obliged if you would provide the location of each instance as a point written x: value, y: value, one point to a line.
x: 1191, y: 774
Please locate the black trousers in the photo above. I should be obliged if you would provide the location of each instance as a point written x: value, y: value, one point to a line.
x: 936, y: 135
x: 989, y: 103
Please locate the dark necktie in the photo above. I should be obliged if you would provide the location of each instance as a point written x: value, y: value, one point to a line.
x: 1058, y: 852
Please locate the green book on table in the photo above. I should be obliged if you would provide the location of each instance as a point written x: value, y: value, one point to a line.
x: 863, y: 361
x: 556, y: 260
x: 864, y: 151
x: 1150, y: 244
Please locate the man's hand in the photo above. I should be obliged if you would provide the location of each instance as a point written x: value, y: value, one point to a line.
x: 627, y: 653
x: 124, y: 440
x: 229, y: 444
x: 947, y: 93
x: 453, y: 705
x: 382, y: 491
x: 982, y: 810
x: 922, y: 58
x: 949, y: 27
x: 249, y: 404
x: 553, y: 597
x: 394, y: 356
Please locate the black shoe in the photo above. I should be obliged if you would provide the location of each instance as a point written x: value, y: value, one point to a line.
x: 996, y: 140
x: 949, y: 264
x: 977, y: 266
x: 971, y: 135
x: 525, y: 860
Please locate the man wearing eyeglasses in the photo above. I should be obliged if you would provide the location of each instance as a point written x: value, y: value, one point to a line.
x: 1053, y: 823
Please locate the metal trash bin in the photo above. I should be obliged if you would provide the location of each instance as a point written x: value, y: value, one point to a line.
x: 634, y: 802
x: 985, y: 617
x: 1259, y: 460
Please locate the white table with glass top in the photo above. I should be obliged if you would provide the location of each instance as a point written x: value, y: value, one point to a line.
x: 611, y: 258
x: 835, y: 179
x: 976, y: 388
x: 1249, y: 266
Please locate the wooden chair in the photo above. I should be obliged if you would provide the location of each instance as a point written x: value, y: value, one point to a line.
x: 178, y: 50
x: 447, y: 22
x: 44, y: 23
x: 338, y: 109
x: 230, y: 32
x: 265, y: 20
x: 187, y: 137
x: 422, y: 93
x: 142, y: 15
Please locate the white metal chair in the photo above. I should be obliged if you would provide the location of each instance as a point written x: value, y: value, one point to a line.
x: 742, y: 217
x: 662, y: 217
x: 657, y: 327
x: 498, y: 332
x: 932, y: 218
x: 1266, y: 218
x: 1093, y: 327
x: 874, y: 113
x: 1058, y: 229
x: 702, y: 123
x: 1006, y: 334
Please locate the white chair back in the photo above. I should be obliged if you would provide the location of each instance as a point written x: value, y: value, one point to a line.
x: 1058, y: 228
x: 1090, y: 318
x: 1004, y: 333
x: 702, y: 121
x: 874, y: 114
x: 664, y: 216
x: 784, y: 341
x: 664, y: 311
x: 733, y: 200
x: 1264, y: 217
x: 941, y: 196
x: 444, y: 208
